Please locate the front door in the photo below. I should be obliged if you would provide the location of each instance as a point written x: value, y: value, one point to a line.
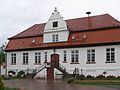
x: 55, y: 60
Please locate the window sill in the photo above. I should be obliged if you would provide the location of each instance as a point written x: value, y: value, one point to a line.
x: 90, y: 62
x: 37, y: 63
x: 13, y: 63
x: 64, y: 61
x: 24, y: 63
x: 74, y: 63
x: 111, y: 62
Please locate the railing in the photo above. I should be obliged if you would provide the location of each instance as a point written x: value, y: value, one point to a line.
x: 36, y: 70
x: 62, y: 69
x: 39, y: 68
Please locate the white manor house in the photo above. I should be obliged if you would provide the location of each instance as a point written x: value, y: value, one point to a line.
x: 88, y: 46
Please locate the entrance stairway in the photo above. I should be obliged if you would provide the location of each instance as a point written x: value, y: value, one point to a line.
x: 62, y: 69
x: 31, y: 73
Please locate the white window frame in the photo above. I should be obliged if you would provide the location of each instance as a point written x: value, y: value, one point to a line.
x: 65, y: 56
x: 74, y: 56
x: 90, y: 56
x: 37, y: 57
x: 13, y: 59
x: 55, y: 38
x: 25, y: 58
x: 110, y: 55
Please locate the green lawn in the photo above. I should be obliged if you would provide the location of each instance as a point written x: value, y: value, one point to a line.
x: 98, y: 82
x: 6, y: 88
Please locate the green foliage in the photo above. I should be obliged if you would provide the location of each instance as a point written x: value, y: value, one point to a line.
x: 21, y: 73
x: 11, y: 73
x: 1, y: 84
x: 2, y: 54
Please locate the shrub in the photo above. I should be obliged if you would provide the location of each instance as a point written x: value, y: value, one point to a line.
x: 111, y: 76
x: 89, y: 76
x: 1, y: 84
x: 100, y: 76
x: 21, y: 73
x: 11, y: 73
x: 81, y: 77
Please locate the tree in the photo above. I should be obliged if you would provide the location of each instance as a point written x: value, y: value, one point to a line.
x: 2, y: 56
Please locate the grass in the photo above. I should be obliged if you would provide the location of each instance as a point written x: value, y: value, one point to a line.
x: 7, y: 88
x: 98, y: 82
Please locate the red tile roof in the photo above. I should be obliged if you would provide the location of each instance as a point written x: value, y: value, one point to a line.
x: 100, y: 30
x: 78, y: 24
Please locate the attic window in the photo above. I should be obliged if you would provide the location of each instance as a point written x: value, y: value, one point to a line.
x: 84, y: 36
x: 33, y: 41
x: 55, y: 24
x: 73, y: 37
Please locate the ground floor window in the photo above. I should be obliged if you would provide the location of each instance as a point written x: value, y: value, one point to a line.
x: 25, y: 58
x: 13, y: 58
x: 90, y: 56
x: 74, y: 56
x: 110, y: 55
x: 37, y: 57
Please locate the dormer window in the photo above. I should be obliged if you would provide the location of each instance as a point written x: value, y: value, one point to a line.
x: 55, y: 37
x: 55, y: 24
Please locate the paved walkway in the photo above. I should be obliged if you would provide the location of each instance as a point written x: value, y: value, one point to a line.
x: 27, y: 84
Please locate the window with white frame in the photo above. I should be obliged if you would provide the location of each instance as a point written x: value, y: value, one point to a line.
x: 64, y: 56
x: 55, y: 24
x: 13, y: 58
x: 74, y: 56
x: 55, y: 37
x: 91, y: 56
x: 45, y: 56
x: 110, y: 55
x: 25, y: 58
x: 37, y: 57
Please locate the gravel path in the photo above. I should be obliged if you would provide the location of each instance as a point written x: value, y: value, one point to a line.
x: 27, y: 84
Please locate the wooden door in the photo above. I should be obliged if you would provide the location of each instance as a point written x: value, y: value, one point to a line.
x: 55, y: 60
x: 50, y: 73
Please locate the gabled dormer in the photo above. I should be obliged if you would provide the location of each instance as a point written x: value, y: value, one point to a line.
x: 55, y: 29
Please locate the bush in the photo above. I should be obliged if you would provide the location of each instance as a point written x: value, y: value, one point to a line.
x: 100, y: 76
x: 21, y: 73
x: 11, y: 73
x: 1, y: 84
x: 89, y: 76
x: 81, y: 77
x: 111, y: 76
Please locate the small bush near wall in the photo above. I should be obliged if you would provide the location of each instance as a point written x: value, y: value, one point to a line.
x: 90, y: 77
x: 100, y: 76
x: 81, y: 77
x: 21, y: 73
x: 11, y: 73
x: 1, y: 84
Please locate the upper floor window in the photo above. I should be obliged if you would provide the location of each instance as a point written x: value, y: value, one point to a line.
x: 25, y: 58
x: 13, y: 58
x: 55, y: 37
x: 75, y: 56
x: 110, y: 55
x: 65, y: 56
x: 91, y: 56
x: 55, y: 24
x: 37, y: 58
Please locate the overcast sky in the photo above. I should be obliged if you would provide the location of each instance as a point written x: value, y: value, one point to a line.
x: 18, y: 15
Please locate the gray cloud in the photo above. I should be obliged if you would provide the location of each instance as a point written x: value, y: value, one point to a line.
x: 18, y: 15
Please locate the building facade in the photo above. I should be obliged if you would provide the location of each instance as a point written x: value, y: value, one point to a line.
x: 89, y: 44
